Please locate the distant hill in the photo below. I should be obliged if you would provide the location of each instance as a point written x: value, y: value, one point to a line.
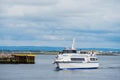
x: 47, y: 48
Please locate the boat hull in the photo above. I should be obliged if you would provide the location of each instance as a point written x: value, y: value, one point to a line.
x: 71, y: 65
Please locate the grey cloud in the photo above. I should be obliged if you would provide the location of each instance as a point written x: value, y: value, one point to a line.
x: 60, y: 20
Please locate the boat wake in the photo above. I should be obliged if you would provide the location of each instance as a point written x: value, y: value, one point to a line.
x: 114, y: 67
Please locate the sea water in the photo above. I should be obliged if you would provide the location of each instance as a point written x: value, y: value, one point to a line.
x: 43, y: 69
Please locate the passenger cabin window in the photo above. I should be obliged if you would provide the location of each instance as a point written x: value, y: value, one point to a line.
x: 83, y: 52
x: 69, y: 51
x: 77, y: 59
x: 93, y: 59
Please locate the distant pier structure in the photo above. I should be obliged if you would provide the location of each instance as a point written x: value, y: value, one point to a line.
x: 20, y: 58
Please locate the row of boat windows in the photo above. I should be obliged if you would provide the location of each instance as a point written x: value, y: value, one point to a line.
x: 74, y: 51
x: 69, y: 51
x: 78, y: 59
x: 82, y: 59
x: 83, y: 52
x: 93, y: 59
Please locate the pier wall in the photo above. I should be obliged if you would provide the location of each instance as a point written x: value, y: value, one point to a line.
x: 17, y: 58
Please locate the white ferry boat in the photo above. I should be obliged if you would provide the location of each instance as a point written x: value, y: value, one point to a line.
x: 73, y: 59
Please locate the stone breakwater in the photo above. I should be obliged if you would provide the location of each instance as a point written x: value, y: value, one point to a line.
x: 17, y: 58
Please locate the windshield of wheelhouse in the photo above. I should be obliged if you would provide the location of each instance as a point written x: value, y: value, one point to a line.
x: 69, y: 51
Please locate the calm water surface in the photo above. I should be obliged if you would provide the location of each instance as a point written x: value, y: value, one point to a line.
x: 43, y: 69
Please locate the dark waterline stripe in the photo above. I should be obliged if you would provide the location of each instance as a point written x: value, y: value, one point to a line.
x: 76, y: 68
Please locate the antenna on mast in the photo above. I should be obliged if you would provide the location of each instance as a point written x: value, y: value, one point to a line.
x: 73, y: 44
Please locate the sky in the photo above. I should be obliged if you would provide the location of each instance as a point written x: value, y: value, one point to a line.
x: 93, y: 23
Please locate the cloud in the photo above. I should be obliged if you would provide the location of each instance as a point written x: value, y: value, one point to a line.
x: 28, y: 2
x: 38, y: 22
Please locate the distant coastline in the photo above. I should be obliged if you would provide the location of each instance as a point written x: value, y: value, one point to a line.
x: 54, y: 53
x: 45, y: 50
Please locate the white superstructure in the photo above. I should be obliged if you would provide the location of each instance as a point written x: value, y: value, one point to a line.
x: 73, y: 59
